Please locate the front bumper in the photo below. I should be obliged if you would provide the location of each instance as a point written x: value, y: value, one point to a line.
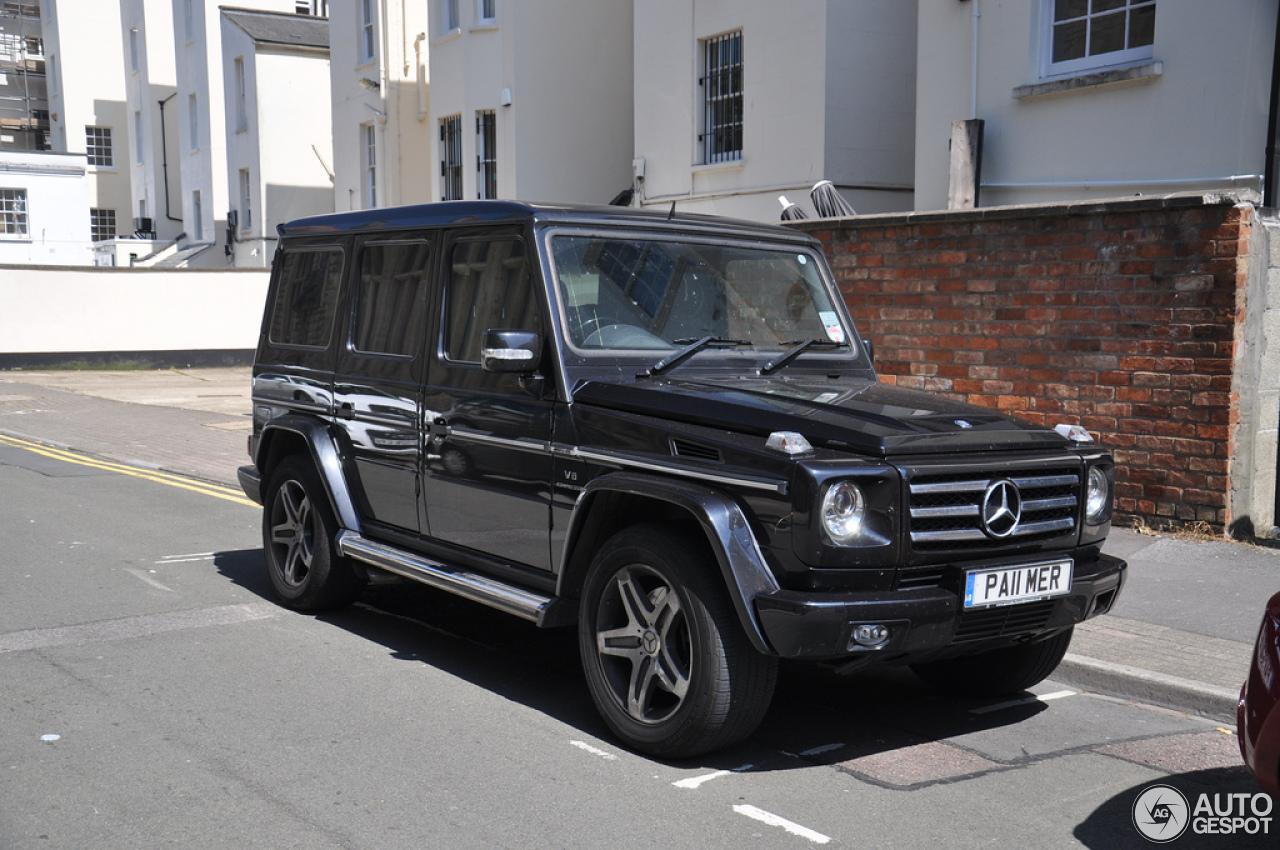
x: 1258, y: 713
x: 927, y: 623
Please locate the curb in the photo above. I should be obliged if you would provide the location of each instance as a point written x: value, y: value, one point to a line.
x: 1160, y: 689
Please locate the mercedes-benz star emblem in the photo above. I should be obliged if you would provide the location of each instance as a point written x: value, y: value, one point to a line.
x: 1001, y: 508
x: 650, y: 642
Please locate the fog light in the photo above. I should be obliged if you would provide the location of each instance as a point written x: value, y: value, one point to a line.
x: 872, y: 636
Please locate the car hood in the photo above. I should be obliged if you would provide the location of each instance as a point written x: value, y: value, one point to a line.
x: 852, y: 413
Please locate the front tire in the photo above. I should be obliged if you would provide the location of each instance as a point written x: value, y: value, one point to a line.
x: 298, y: 527
x: 999, y: 672
x: 666, y: 660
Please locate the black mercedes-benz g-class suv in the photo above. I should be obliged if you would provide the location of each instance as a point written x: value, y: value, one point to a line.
x: 666, y: 430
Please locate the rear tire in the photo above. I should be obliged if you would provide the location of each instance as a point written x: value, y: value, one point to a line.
x: 999, y: 672
x: 667, y: 662
x: 298, y: 528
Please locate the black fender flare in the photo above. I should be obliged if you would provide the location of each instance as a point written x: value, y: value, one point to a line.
x: 323, y: 445
x: 742, y: 565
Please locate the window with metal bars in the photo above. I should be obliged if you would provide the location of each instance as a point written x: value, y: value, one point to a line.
x: 451, y: 158
x: 722, y: 98
x: 486, y: 154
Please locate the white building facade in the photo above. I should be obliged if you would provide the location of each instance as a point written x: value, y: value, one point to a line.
x: 1130, y: 97
x: 201, y: 114
x: 87, y: 112
x: 146, y: 30
x: 279, y: 127
x: 37, y: 191
x: 737, y: 103
x: 380, y: 89
x: 531, y: 101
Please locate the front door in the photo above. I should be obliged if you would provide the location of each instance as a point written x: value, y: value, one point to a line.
x: 488, y: 464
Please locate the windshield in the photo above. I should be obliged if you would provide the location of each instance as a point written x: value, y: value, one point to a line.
x: 653, y: 294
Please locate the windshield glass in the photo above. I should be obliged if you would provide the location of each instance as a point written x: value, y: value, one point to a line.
x: 653, y: 294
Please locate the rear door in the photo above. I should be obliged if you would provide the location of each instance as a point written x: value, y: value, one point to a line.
x: 377, y: 385
x: 488, y: 462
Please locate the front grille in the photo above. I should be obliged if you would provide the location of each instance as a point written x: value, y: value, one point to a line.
x: 946, y: 510
x: 1004, y: 622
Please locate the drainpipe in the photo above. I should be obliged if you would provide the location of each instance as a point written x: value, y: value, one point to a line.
x: 1269, y: 169
x: 164, y: 159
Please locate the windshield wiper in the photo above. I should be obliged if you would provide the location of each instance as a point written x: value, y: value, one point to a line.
x: 691, y: 347
x: 798, y: 347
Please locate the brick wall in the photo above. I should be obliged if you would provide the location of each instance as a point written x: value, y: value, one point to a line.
x: 1117, y: 316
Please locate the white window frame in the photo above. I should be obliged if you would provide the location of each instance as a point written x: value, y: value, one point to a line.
x: 486, y: 154
x: 450, y: 17
x: 369, y: 186
x: 242, y: 109
x: 368, y: 31
x: 197, y: 216
x: 189, y: 19
x: 486, y: 13
x: 140, y: 149
x: 133, y: 49
x: 246, y: 200
x: 15, y: 221
x: 99, y: 147
x: 1050, y: 70
x: 193, y: 121
x: 102, y: 225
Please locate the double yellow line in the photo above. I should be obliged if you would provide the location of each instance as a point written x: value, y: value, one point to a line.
x: 216, y: 491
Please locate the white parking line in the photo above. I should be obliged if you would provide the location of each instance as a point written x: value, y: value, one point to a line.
x: 1013, y: 703
x: 595, y: 751
x: 773, y: 820
x: 148, y: 579
x: 695, y: 781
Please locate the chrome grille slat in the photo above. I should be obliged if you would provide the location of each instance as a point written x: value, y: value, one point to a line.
x: 945, y: 505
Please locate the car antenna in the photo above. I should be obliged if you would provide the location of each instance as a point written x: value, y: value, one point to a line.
x: 672, y: 213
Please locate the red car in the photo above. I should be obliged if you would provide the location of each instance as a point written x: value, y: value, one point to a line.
x: 1258, y: 718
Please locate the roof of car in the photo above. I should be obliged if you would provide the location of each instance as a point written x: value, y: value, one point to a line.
x: 447, y: 213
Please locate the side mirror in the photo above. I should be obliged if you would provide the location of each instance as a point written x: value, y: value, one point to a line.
x: 517, y: 352
x: 869, y: 347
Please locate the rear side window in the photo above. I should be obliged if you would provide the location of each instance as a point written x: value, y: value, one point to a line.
x: 390, y: 313
x: 489, y: 288
x: 306, y: 298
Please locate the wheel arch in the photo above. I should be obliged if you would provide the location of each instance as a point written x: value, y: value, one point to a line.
x: 291, y: 435
x: 615, y: 501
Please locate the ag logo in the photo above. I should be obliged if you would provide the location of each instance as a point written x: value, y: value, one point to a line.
x: 1161, y: 813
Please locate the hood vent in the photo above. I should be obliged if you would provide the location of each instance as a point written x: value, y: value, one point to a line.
x: 695, y: 451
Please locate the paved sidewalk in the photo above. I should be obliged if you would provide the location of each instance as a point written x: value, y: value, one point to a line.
x: 1181, y: 635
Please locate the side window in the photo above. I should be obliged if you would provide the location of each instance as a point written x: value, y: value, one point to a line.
x: 390, y: 310
x: 489, y: 287
x: 306, y: 297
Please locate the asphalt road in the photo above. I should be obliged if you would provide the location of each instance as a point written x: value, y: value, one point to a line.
x: 151, y: 695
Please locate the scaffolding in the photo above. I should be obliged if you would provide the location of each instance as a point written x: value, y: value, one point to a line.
x: 24, y: 94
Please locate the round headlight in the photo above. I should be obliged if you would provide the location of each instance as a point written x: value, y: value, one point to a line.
x: 843, y: 509
x: 1098, y: 500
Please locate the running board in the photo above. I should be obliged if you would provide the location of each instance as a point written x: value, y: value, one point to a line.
x: 469, y: 585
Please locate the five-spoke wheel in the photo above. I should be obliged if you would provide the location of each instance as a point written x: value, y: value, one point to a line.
x: 297, y: 536
x: 667, y: 662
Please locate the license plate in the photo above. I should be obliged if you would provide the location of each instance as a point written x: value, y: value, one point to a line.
x: 1023, y: 583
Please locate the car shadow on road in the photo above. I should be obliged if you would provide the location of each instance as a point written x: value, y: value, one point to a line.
x: 1112, y: 825
x: 868, y: 713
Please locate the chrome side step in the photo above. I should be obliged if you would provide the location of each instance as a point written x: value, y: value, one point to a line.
x: 477, y: 588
